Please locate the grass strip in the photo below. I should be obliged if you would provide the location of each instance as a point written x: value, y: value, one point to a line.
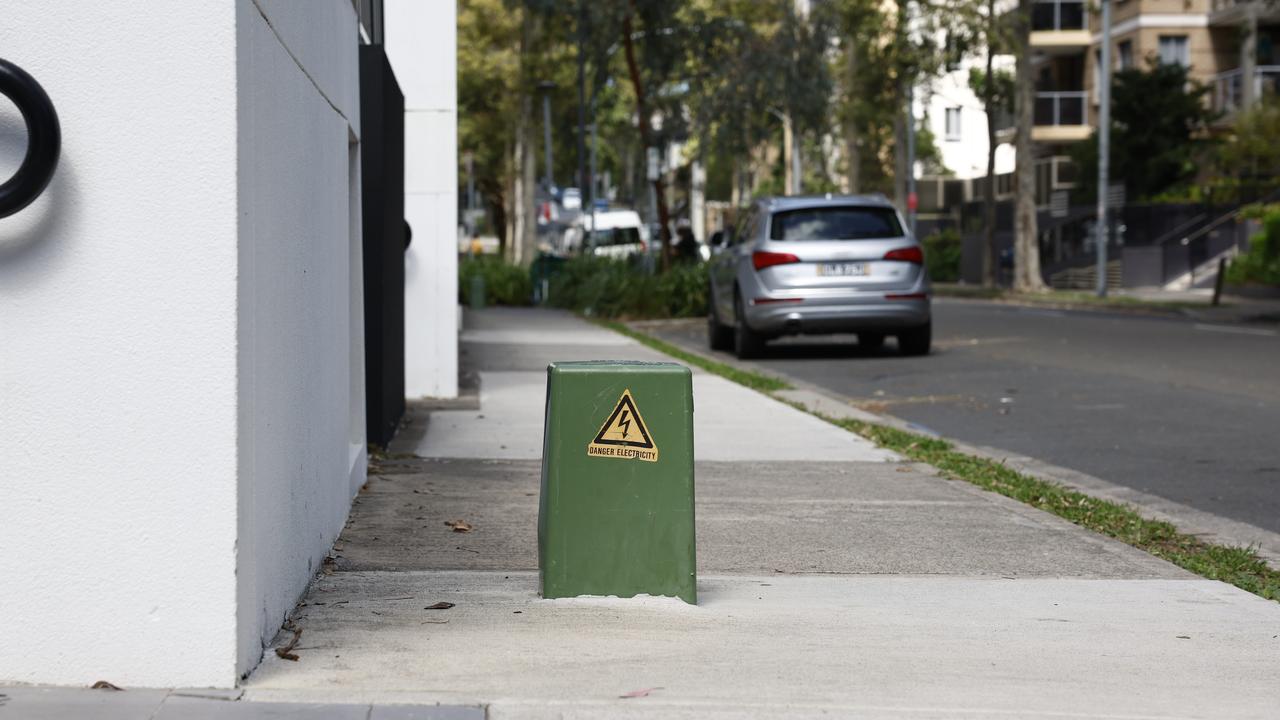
x: 753, y: 380
x: 1239, y: 566
x: 1065, y: 298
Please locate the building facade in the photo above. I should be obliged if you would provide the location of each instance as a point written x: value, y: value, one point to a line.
x: 181, y: 326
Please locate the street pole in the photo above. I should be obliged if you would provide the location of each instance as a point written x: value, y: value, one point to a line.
x: 546, y: 88
x: 1104, y: 147
x: 471, y: 181
x: 582, y: 93
x: 797, y: 173
x: 591, y: 192
x: 911, y: 159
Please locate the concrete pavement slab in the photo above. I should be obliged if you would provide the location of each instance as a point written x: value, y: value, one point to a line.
x: 426, y: 712
x: 489, y: 357
x: 731, y: 422
x: 770, y: 646
x: 60, y: 703
x: 763, y: 517
x: 188, y: 708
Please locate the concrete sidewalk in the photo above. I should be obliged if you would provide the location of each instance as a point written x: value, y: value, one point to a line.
x: 836, y: 580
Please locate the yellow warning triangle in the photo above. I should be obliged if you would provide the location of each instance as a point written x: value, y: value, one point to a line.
x: 624, y: 434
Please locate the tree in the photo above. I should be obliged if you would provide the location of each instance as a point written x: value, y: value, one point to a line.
x: 996, y: 88
x: 488, y: 74
x: 1250, y: 155
x: 1026, y: 249
x: 1159, y: 123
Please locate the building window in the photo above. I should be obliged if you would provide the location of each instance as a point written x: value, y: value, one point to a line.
x: 953, y: 123
x: 1173, y: 50
x: 1126, y: 54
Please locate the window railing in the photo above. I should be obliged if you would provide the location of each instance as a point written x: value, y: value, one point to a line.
x: 1049, y: 15
x: 1228, y: 87
x: 1060, y: 108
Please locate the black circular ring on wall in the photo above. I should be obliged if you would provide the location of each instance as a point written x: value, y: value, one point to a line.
x: 44, y: 139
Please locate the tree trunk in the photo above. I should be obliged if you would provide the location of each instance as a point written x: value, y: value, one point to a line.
x: 1026, y: 269
x: 900, y: 169
x: 642, y: 114
x: 989, y: 197
x: 525, y: 239
x: 853, y: 150
x: 529, y: 175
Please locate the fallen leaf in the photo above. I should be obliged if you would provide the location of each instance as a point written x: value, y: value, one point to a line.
x: 439, y: 606
x: 286, y: 652
x: 104, y: 685
x: 459, y: 525
x: 639, y: 693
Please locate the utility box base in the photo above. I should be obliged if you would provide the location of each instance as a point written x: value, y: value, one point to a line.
x: 615, y: 515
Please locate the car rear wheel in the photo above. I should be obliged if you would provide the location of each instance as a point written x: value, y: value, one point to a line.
x: 719, y: 335
x: 747, y: 343
x: 870, y: 340
x: 916, y: 341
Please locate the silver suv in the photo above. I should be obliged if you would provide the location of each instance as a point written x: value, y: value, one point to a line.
x: 826, y: 264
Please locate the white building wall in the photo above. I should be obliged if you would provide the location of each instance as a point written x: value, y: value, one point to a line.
x: 964, y: 156
x: 421, y: 42
x: 300, y: 334
x: 117, y: 352
x: 178, y: 336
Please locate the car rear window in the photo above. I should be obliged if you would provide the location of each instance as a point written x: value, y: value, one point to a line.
x: 617, y: 236
x: 835, y: 223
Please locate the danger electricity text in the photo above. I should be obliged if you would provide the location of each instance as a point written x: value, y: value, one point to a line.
x: 624, y: 434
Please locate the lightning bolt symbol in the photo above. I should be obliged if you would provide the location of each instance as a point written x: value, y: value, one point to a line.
x: 625, y: 423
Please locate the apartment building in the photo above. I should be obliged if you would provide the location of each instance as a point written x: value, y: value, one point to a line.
x: 1221, y: 42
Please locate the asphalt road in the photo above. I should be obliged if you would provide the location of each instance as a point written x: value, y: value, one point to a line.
x: 1182, y: 410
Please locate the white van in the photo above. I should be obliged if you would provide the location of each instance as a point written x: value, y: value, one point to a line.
x: 620, y: 234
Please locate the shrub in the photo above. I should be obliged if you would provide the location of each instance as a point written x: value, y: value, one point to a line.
x: 504, y: 283
x: 597, y: 286
x: 942, y: 252
x: 1261, y: 264
x: 606, y: 287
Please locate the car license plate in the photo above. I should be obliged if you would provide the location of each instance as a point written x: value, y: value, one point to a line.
x: 847, y: 269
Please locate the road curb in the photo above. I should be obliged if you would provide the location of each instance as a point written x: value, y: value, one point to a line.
x: 1209, y: 527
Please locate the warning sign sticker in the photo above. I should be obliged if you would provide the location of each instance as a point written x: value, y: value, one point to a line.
x: 624, y: 434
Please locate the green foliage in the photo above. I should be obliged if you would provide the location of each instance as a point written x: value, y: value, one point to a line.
x: 504, y: 283
x: 1248, y: 159
x: 1236, y: 565
x: 1158, y: 122
x: 751, y: 379
x: 1261, y: 264
x: 942, y: 255
x: 1003, y: 87
x: 610, y: 288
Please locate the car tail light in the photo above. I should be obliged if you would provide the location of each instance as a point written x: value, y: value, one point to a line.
x: 762, y: 260
x: 907, y: 254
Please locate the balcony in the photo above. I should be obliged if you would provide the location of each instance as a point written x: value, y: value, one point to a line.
x: 1060, y: 116
x: 1228, y: 88
x: 1059, y: 26
x: 1228, y: 13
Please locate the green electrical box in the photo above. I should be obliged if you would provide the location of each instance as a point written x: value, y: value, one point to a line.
x: 615, y: 515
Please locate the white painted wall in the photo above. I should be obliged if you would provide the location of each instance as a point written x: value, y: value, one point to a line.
x: 300, y: 316
x: 117, y: 353
x: 965, y: 156
x: 421, y: 42
x: 178, y: 336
